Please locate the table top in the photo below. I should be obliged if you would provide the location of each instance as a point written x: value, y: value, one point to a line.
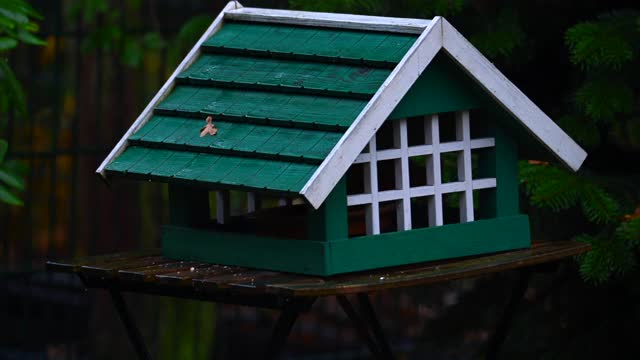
x: 148, y: 269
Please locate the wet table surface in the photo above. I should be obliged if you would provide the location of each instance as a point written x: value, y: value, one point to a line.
x: 149, y: 271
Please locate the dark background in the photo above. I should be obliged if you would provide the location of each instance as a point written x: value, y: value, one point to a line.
x: 88, y: 84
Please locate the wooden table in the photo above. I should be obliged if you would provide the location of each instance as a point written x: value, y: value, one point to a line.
x: 149, y: 273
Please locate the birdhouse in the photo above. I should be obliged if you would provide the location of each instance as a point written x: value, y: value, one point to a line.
x: 321, y: 143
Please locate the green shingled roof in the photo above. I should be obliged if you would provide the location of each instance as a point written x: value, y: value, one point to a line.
x: 281, y: 97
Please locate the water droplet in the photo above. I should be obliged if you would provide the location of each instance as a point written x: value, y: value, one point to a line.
x: 381, y: 278
x: 192, y: 268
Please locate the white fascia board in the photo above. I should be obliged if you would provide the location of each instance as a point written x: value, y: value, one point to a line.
x: 146, y: 114
x: 321, y: 19
x: 374, y: 114
x: 511, y: 98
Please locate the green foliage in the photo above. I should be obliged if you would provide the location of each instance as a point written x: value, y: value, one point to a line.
x: 604, y: 99
x: 402, y: 8
x: 9, y: 179
x: 551, y: 187
x: 611, y: 42
x: 16, y: 26
x: 502, y: 36
x: 107, y: 34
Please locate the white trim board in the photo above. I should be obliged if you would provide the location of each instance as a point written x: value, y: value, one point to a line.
x: 374, y: 114
x: 438, y: 35
x: 166, y: 88
x: 511, y: 98
x: 321, y: 19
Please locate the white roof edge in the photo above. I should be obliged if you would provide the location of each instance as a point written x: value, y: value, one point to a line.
x: 374, y: 114
x: 166, y: 88
x: 439, y: 34
x: 512, y: 99
x: 322, y: 19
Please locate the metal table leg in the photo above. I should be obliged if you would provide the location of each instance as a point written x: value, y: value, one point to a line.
x: 360, y: 325
x: 370, y: 316
x: 283, y: 326
x: 497, y: 339
x: 132, y: 330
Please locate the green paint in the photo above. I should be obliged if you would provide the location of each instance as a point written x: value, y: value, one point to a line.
x: 280, y: 107
x: 442, y: 87
x: 300, y: 256
x: 347, y: 255
x: 339, y: 44
x: 218, y: 69
x: 506, y: 168
x: 428, y: 244
x: 329, y: 222
x: 243, y: 139
x: 182, y: 167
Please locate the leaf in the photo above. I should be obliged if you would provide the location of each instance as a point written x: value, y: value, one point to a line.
x: 7, y: 197
x: 603, y: 99
x: 607, y: 43
x: 11, y: 88
x: 4, y: 146
x: 11, y: 179
x: 29, y: 38
x: 608, y: 257
x: 14, y: 14
x: 7, y: 43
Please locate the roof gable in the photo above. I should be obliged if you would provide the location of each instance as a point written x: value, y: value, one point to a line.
x: 300, y: 133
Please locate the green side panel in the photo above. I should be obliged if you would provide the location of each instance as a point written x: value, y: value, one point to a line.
x: 247, y: 138
x: 325, y: 42
x: 347, y: 255
x: 299, y: 256
x: 288, y: 74
x: 264, y: 105
x: 442, y: 87
x: 506, y: 168
x: 175, y: 166
x: 436, y: 243
x: 188, y: 206
x: 330, y: 221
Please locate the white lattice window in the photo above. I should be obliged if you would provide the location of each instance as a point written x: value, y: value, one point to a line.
x: 372, y: 195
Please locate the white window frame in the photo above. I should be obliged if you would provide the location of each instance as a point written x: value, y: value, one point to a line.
x: 434, y: 189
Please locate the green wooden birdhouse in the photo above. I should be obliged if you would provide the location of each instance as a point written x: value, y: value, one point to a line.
x: 324, y: 143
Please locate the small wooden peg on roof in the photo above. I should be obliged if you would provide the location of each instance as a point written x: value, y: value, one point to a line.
x: 209, y: 129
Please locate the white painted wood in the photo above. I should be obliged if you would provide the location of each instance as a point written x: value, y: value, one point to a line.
x: 419, y: 150
x: 420, y: 191
x: 463, y: 133
x: 371, y: 186
x: 479, y: 184
x: 146, y: 114
x: 343, y: 21
x: 452, y: 187
x: 434, y: 178
x: 511, y: 98
x: 374, y: 114
x: 222, y: 206
x: 403, y: 210
x: 358, y: 199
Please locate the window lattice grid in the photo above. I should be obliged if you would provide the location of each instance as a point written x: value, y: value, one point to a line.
x: 435, y: 188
